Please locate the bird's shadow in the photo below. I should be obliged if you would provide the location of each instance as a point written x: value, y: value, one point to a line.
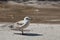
x: 29, y: 34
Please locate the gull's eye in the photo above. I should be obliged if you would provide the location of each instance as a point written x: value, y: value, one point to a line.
x: 26, y: 18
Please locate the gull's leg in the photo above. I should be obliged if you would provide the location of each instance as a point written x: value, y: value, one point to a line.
x: 22, y: 32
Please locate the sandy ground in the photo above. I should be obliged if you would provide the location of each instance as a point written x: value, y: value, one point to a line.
x: 13, y: 12
x: 37, y: 32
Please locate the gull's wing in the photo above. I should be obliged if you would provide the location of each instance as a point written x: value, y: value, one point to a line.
x: 19, y: 23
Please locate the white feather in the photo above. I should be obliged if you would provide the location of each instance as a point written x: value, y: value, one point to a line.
x: 22, y: 24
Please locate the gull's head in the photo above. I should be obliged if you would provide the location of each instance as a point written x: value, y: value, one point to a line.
x: 27, y: 18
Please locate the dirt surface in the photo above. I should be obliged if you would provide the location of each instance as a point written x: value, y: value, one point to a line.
x: 14, y: 12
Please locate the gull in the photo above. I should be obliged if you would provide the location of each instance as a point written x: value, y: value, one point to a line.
x: 21, y: 25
